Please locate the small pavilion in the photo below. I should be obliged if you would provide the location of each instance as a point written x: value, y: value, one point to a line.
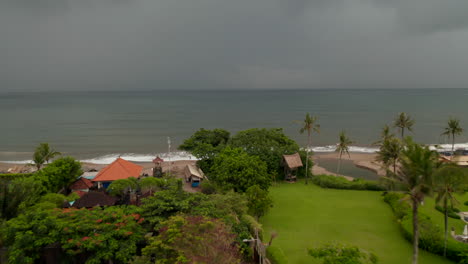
x: 291, y: 163
x: 157, y: 170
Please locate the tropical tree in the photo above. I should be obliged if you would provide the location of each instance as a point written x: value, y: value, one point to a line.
x: 43, y: 154
x: 259, y: 201
x: 342, y: 148
x: 123, y: 186
x: 417, y: 166
x: 453, y: 129
x: 59, y: 174
x: 389, y: 152
x: 205, y: 145
x: 268, y: 144
x: 310, y: 125
x: 384, y: 135
x: 403, y: 121
x: 236, y: 169
x: 449, y: 180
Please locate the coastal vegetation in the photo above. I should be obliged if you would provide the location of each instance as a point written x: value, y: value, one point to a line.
x: 43, y: 154
x: 453, y: 129
x: 342, y: 148
x: 404, y: 121
x: 240, y: 189
x: 309, y: 124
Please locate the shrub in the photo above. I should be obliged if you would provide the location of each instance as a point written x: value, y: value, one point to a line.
x: 466, y: 203
x: 208, y: 187
x: 334, y: 182
x: 451, y: 212
x: 276, y: 255
x: 431, y: 235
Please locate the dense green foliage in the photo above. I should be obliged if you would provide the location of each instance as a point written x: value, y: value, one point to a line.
x: 276, y: 255
x: 11, y: 176
x: 59, y: 174
x: 237, y: 170
x: 96, y: 235
x: 205, y: 145
x: 123, y: 186
x: 18, y: 195
x: 43, y: 154
x: 335, y: 253
x: 336, y: 182
x: 259, y: 201
x: 416, y: 177
x: 192, y: 239
x: 268, y: 144
x: 431, y: 235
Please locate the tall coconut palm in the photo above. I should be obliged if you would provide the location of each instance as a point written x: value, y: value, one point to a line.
x: 384, y: 135
x: 453, y: 129
x: 417, y: 166
x: 43, y: 154
x: 403, y: 121
x: 389, y: 154
x: 449, y: 180
x: 342, y: 147
x: 309, y: 124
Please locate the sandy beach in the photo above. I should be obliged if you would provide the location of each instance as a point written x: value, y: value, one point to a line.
x: 363, y: 160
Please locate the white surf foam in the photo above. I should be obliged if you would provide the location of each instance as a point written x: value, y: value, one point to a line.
x: 173, y: 156
x: 355, y: 149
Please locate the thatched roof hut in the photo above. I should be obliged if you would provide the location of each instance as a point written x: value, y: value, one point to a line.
x: 193, y: 174
x: 291, y: 164
x: 292, y: 161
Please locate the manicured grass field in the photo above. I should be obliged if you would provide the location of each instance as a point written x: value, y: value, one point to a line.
x: 307, y: 215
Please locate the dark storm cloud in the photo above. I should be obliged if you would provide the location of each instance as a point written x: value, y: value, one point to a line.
x: 212, y: 44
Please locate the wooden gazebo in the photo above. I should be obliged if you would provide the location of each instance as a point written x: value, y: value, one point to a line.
x: 291, y: 163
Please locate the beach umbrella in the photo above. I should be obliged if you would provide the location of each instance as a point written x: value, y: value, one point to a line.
x: 465, y: 232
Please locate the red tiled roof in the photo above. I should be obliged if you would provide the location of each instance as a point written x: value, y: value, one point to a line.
x: 81, y: 183
x: 158, y: 160
x: 117, y: 170
x: 80, y: 193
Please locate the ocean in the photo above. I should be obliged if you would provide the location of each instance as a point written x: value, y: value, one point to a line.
x: 99, y: 126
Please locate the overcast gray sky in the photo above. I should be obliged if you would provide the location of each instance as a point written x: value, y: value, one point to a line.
x: 235, y: 44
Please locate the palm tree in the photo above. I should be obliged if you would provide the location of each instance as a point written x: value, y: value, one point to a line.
x: 43, y: 154
x: 403, y: 121
x: 342, y: 147
x: 417, y: 166
x: 310, y: 125
x: 447, y: 181
x: 389, y: 154
x: 384, y: 135
x: 453, y: 128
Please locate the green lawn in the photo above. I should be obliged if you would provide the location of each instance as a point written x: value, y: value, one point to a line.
x: 307, y: 215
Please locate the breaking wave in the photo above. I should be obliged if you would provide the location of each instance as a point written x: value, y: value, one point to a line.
x: 180, y: 155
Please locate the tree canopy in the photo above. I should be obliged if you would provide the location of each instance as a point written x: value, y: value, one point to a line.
x: 235, y: 169
x: 268, y: 144
x: 59, y: 174
x: 205, y: 145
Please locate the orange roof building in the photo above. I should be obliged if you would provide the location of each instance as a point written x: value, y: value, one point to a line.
x: 117, y: 170
x: 82, y: 184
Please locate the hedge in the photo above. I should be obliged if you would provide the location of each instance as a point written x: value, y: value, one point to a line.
x: 431, y: 236
x: 276, y: 255
x: 451, y: 212
x: 336, y: 182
